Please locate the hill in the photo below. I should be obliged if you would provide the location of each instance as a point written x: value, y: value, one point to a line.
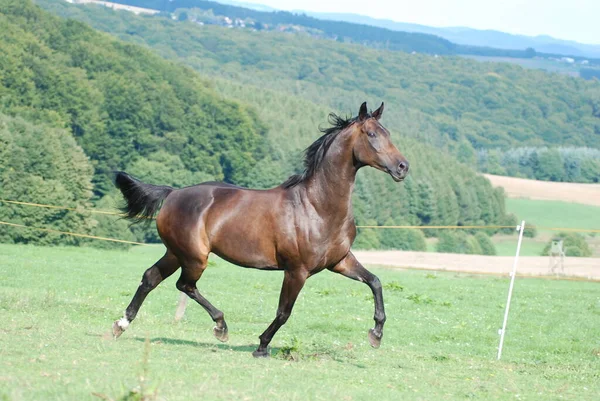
x: 457, y: 34
x: 126, y: 107
x: 449, y: 102
x: 341, y: 30
x: 475, y: 37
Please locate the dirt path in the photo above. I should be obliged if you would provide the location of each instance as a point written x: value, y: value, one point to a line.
x: 588, y: 268
x: 587, y: 194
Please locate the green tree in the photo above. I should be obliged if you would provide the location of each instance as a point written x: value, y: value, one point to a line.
x: 574, y: 244
x: 485, y: 244
x: 44, y: 165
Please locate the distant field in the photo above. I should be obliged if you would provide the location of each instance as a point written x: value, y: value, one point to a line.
x: 555, y: 213
x: 548, y: 204
x: 507, y: 245
x: 56, y: 305
x: 587, y: 194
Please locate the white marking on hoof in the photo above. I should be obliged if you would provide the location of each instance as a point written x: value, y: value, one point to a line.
x: 123, y: 323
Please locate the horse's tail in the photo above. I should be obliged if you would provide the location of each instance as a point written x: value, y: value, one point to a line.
x: 143, y: 200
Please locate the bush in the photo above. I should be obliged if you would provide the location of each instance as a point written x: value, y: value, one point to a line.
x: 486, y: 244
x: 44, y: 165
x: 474, y: 247
x: 530, y: 231
x: 367, y: 238
x: 460, y: 242
x: 453, y: 242
x: 402, y: 239
x: 574, y: 244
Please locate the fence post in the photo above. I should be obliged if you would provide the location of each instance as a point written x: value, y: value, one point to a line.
x: 502, y: 331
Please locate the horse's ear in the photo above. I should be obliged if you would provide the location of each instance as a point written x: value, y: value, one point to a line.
x: 377, y: 113
x: 363, y: 113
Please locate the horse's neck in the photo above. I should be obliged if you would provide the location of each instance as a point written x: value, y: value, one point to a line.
x: 330, y: 189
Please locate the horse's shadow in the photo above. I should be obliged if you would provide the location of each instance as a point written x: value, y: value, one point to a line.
x: 209, y: 346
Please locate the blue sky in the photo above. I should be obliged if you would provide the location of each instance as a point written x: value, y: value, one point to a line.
x: 565, y: 19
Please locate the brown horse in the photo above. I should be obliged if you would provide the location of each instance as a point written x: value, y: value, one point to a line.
x: 302, y: 227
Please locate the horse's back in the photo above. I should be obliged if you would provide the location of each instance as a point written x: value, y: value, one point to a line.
x: 236, y: 223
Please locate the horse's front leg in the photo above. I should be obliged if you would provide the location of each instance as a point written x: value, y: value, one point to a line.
x: 293, y: 281
x: 350, y: 267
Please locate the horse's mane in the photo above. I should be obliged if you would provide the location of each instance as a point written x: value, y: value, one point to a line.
x: 315, y: 153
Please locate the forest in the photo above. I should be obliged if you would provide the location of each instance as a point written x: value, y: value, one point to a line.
x: 451, y: 103
x: 118, y: 106
x: 562, y: 164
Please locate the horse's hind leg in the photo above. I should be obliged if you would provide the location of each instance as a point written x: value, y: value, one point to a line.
x: 151, y: 278
x: 190, y: 273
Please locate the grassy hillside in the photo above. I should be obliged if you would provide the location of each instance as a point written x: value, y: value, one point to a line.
x: 450, y: 102
x: 440, y: 338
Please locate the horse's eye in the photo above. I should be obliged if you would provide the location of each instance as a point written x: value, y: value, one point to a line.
x: 371, y: 134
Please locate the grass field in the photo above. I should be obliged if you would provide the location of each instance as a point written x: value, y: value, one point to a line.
x: 548, y: 213
x: 555, y: 213
x: 507, y: 245
x: 57, y: 304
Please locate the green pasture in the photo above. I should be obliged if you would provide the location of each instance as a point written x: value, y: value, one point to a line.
x: 555, y: 213
x: 507, y: 245
x: 57, y: 305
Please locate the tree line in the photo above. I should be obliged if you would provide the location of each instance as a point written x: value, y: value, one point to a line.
x: 563, y: 164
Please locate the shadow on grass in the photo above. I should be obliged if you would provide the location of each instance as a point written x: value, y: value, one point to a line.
x: 211, y: 346
x: 245, y: 349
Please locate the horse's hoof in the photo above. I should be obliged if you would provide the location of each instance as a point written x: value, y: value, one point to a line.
x: 221, y: 333
x: 374, y: 339
x: 260, y: 354
x: 117, y: 330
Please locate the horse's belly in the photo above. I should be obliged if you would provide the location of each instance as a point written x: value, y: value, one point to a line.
x: 245, y: 248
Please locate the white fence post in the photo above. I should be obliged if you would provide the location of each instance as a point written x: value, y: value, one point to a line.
x: 510, y: 288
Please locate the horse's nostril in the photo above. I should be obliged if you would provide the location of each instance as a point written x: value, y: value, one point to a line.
x: 403, y: 166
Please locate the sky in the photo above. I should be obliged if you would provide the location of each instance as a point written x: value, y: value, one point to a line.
x: 577, y: 20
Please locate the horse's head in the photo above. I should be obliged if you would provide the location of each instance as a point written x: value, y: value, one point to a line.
x: 373, y: 145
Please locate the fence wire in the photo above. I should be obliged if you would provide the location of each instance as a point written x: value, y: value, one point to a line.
x: 107, y: 212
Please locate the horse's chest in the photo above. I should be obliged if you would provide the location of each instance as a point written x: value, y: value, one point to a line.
x: 324, y: 246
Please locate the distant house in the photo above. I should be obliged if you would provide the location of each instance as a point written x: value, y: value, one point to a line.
x: 585, y: 62
x: 567, y: 60
x: 116, y: 6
